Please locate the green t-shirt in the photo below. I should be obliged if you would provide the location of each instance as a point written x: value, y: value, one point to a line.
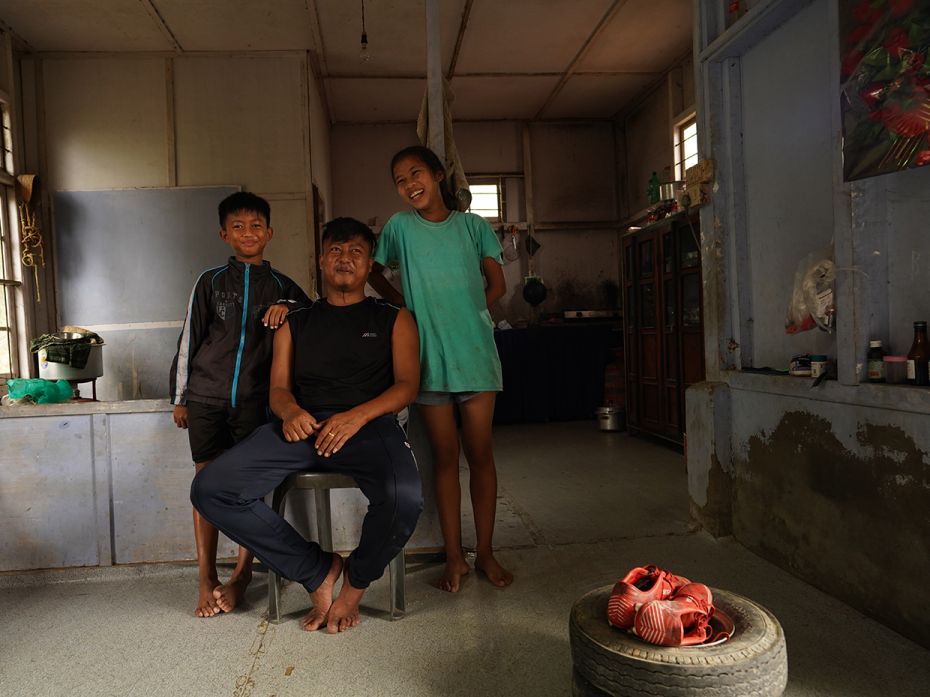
x: 440, y: 272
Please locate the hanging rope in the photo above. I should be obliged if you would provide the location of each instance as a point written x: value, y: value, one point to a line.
x: 31, y: 244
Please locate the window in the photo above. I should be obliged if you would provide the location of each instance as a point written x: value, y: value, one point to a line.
x: 685, y: 140
x: 486, y: 200
x: 9, y: 284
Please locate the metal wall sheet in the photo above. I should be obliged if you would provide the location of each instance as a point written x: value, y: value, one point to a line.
x: 47, y: 503
x: 152, y: 472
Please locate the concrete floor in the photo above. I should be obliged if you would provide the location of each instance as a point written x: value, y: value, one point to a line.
x: 577, y: 509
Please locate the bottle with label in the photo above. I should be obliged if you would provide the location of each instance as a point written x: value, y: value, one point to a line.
x: 875, y: 361
x: 652, y: 191
x: 917, y: 369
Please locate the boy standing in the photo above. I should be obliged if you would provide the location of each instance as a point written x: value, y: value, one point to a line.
x: 219, y: 376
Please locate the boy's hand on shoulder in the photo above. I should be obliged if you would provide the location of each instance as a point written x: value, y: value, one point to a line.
x: 299, y: 425
x: 275, y: 316
x: 180, y: 416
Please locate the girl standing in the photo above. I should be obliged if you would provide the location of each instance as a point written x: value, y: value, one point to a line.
x: 442, y: 253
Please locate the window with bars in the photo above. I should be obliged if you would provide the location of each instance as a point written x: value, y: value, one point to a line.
x: 686, y: 153
x: 486, y: 200
x: 9, y: 285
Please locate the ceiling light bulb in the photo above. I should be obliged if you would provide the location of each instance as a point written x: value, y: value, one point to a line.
x: 364, y: 55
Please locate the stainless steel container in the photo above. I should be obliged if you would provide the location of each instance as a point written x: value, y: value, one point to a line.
x: 668, y: 190
x: 610, y: 418
x: 50, y: 370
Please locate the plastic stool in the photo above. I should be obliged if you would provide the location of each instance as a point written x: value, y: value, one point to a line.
x: 321, y: 483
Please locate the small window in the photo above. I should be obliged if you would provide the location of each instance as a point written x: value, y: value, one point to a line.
x: 686, y: 152
x: 486, y: 200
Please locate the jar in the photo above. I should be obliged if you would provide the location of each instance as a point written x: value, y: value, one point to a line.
x: 818, y: 365
x: 895, y: 370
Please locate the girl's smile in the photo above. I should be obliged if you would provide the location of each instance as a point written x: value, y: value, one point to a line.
x: 418, y: 186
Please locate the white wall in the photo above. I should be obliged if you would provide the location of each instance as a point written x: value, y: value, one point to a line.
x: 121, y: 121
x: 575, y: 176
x: 245, y: 121
x: 789, y: 175
x: 647, y: 134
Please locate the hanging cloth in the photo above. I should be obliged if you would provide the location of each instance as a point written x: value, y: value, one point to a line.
x: 458, y: 185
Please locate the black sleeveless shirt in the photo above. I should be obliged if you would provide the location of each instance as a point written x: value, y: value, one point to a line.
x: 342, y: 354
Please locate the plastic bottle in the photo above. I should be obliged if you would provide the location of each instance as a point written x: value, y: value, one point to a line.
x: 917, y: 369
x: 875, y: 361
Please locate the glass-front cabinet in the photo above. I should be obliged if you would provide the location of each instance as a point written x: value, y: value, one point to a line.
x: 664, y: 323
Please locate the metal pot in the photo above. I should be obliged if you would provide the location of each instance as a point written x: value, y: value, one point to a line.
x: 50, y: 370
x: 610, y: 418
x: 668, y: 190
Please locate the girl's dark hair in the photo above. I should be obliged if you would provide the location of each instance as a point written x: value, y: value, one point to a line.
x: 434, y: 164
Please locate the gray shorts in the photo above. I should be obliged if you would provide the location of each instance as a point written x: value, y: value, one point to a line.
x: 438, y: 399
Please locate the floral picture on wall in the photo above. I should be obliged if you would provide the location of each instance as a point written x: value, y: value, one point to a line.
x: 885, y: 85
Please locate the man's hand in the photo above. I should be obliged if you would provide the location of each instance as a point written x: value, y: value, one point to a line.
x: 336, y: 430
x: 298, y: 426
x: 180, y: 416
x: 275, y: 315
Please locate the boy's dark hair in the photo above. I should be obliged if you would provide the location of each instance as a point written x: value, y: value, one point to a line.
x: 244, y: 201
x: 345, y: 229
x: 433, y: 164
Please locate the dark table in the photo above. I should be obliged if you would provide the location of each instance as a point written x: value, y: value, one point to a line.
x: 553, y: 373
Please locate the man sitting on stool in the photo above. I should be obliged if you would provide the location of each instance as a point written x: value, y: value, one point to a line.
x: 342, y: 368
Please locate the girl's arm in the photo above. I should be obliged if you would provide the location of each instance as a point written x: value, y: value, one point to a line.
x: 497, y: 286
x: 384, y: 287
x: 297, y: 424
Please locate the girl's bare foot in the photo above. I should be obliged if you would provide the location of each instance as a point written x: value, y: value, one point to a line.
x: 206, y: 603
x: 322, y: 598
x: 452, y: 575
x: 344, y: 615
x: 231, y: 593
x: 497, y: 574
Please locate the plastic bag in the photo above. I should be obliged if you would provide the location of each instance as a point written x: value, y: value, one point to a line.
x: 812, y: 299
x: 39, y: 391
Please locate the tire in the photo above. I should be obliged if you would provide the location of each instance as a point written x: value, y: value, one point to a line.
x: 753, y: 663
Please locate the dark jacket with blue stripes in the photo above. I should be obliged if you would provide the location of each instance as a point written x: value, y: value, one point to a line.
x: 224, y: 351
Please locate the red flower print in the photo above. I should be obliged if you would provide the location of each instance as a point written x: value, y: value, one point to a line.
x: 864, y: 13
x: 852, y: 61
x: 899, y: 8
x: 897, y: 41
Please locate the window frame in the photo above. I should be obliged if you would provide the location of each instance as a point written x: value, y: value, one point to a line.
x: 496, y: 181
x: 11, y: 281
x: 685, y: 121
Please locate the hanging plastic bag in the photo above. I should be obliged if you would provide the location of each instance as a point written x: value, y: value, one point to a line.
x: 812, y: 299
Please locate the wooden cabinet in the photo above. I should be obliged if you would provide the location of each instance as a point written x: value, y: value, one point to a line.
x: 664, y: 323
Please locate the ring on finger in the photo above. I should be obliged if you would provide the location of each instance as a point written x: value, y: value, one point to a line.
x: 330, y: 435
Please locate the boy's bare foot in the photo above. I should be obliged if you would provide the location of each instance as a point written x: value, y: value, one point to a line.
x: 206, y: 603
x: 322, y: 598
x: 344, y: 615
x: 231, y: 593
x: 452, y: 575
x: 497, y: 574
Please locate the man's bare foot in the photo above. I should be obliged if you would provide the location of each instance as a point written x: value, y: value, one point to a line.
x: 497, y: 574
x: 452, y: 575
x: 206, y: 603
x: 231, y: 593
x: 344, y: 615
x: 322, y: 598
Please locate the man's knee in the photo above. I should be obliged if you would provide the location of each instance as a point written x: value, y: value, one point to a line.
x: 408, y: 505
x: 203, y: 490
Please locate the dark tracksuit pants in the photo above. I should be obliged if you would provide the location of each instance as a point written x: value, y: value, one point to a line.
x: 228, y: 492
